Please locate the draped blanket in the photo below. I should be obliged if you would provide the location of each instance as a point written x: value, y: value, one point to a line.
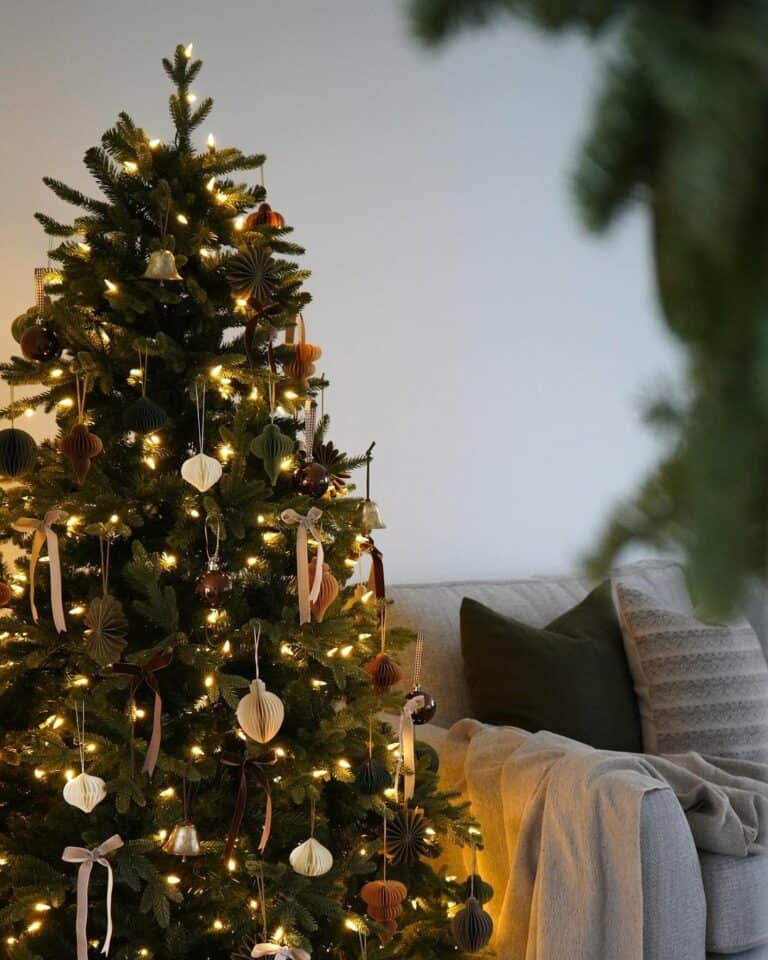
x: 561, y: 830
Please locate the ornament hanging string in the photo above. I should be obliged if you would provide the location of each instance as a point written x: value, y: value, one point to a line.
x: 144, y: 367
x: 80, y: 728
x: 256, y: 638
x: 41, y: 275
x: 418, y: 660
x: 215, y: 554
x: 81, y: 389
x: 200, y: 412
x: 105, y: 545
x: 12, y: 409
x: 310, y: 426
x: 261, y: 893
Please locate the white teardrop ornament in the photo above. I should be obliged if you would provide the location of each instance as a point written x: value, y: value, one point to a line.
x: 311, y: 859
x: 84, y: 791
x: 201, y: 471
x: 260, y: 713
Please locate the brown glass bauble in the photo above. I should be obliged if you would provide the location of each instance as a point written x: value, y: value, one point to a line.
x: 265, y: 216
x: 5, y: 594
x: 213, y: 587
x: 39, y: 342
x: 311, y: 479
x: 426, y: 713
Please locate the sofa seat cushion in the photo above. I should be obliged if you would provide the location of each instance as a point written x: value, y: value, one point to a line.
x: 736, y: 890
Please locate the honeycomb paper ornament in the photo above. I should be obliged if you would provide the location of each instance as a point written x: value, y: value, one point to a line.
x: 384, y: 673
x: 18, y: 452
x: 201, y: 471
x: 272, y: 447
x: 329, y: 590
x: 260, y: 713
x: 84, y: 792
x: 472, y: 927
x: 311, y: 859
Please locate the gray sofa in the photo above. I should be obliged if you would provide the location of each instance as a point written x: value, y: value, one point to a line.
x: 694, y: 906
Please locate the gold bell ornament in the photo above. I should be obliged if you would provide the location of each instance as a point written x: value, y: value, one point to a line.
x: 370, y: 514
x: 161, y: 267
x: 182, y: 840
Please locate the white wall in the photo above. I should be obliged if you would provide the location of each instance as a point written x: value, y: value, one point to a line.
x: 494, y: 352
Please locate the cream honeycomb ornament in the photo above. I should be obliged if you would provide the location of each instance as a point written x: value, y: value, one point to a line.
x: 83, y: 791
x: 201, y: 471
x: 311, y: 859
x: 260, y: 713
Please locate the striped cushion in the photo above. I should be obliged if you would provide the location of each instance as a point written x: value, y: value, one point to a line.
x: 700, y: 686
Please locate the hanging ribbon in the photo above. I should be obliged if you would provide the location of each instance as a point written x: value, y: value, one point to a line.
x: 257, y: 765
x: 146, y: 674
x: 43, y: 532
x: 408, y: 744
x: 280, y: 953
x: 305, y: 526
x: 86, y: 858
x: 376, y: 576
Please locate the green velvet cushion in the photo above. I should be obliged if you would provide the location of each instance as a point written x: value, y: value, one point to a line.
x: 570, y: 677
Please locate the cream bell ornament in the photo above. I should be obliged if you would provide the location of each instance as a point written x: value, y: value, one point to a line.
x: 260, y: 713
x: 83, y: 791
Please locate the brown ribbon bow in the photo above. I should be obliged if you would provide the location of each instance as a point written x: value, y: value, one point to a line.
x: 146, y: 674
x: 258, y: 765
x: 376, y: 576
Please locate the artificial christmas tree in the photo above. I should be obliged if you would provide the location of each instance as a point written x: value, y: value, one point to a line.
x: 191, y: 764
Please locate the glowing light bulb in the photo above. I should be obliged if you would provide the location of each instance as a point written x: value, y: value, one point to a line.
x: 168, y: 560
x: 57, y: 373
x: 252, y: 561
x: 80, y: 682
x: 217, y: 924
x: 42, y: 907
x: 39, y: 773
x: 66, y: 402
x: 344, y: 764
x: 34, y: 926
x: 197, y: 751
x: 290, y: 395
x: 216, y: 371
x: 231, y: 864
x: 240, y: 222
x: 167, y: 793
x: 269, y: 536
x: 111, y: 287
x: 211, y: 141
x: 188, y: 50
x: 153, y: 440
x: 211, y: 185
x: 182, y: 219
x: 77, y: 611
x: 208, y: 681
x: 154, y: 143
x: 191, y: 98
x: 345, y: 651
x: 131, y: 166
x: 114, y: 518
x: 172, y: 880
x: 280, y: 752
x: 226, y: 647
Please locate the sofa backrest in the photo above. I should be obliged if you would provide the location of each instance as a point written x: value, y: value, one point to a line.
x: 434, y: 609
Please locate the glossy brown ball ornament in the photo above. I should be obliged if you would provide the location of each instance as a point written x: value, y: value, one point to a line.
x: 5, y: 594
x: 425, y: 713
x: 311, y: 479
x: 80, y: 447
x: 17, y: 452
x: 472, y: 927
x: 384, y: 673
x: 265, y: 216
x: 39, y: 342
x: 213, y: 587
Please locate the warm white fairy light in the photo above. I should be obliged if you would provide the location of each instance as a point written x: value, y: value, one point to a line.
x: 80, y: 681
x: 69, y: 775
x: 39, y: 773
x: 197, y: 751
x: 319, y: 684
x: 42, y: 907
x: 131, y: 166
x: 182, y: 219
x: 35, y: 926
x: 173, y: 880
x: 168, y: 560
x: 211, y: 185
x: 77, y: 611
x: 251, y: 561
x: 167, y: 793
x: 56, y: 373
x: 188, y: 50
x: 191, y: 98
x: 269, y: 536
x: 209, y: 681
x: 218, y: 924
x: 231, y: 864
x: 66, y: 402
x: 344, y: 764
x: 345, y: 651
x: 211, y: 141
x: 154, y: 143
x: 111, y: 286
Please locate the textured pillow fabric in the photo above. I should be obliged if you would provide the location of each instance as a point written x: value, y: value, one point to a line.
x: 570, y: 677
x: 700, y: 686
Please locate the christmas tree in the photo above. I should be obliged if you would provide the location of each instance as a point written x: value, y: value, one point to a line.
x: 680, y: 109
x: 189, y: 695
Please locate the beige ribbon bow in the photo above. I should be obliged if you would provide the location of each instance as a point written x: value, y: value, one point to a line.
x: 43, y: 532
x: 280, y: 953
x: 86, y: 858
x: 305, y: 526
x: 408, y: 744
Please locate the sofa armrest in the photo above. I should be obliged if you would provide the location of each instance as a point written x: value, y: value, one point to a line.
x: 674, y: 908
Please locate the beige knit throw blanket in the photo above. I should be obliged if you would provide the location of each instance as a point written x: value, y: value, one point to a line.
x: 561, y: 828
